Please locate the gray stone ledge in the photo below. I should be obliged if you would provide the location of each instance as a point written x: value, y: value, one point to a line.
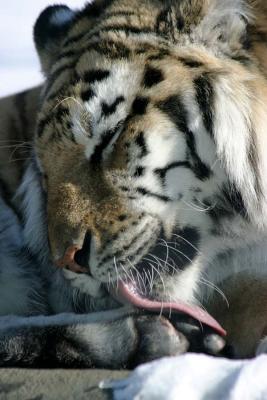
x: 57, y: 384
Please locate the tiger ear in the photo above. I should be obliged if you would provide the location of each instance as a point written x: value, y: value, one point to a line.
x: 49, y: 31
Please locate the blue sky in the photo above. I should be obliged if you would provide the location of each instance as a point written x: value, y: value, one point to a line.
x: 19, y: 65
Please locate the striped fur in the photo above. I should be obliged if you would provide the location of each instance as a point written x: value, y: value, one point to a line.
x: 145, y: 147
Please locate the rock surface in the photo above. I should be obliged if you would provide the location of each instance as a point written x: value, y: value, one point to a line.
x: 58, y: 384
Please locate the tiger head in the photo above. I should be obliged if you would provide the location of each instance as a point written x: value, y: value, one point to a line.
x: 149, y: 138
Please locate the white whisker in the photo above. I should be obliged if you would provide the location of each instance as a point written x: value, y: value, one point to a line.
x: 167, y: 263
x: 66, y: 99
x: 126, y: 273
x: 180, y: 253
x: 195, y: 207
x: 117, y: 273
x: 137, y: 274
x: 187, y: 241
x: 216, y: 288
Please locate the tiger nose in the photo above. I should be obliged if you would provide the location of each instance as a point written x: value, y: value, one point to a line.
x: 76, y: 257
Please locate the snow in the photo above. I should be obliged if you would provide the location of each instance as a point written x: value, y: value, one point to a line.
x: 194, y: 377
x: 19, y: 65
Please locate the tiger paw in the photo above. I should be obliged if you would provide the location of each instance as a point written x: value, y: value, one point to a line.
x: 202, y: 339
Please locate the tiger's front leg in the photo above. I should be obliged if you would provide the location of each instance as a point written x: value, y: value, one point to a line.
x: 70, y: 340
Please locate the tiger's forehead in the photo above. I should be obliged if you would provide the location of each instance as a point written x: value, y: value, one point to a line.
x: 112, y: 93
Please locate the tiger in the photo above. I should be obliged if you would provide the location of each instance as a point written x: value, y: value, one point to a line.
x: 134, y: 177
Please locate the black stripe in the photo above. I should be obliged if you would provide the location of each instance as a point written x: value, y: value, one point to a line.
x: 64, y: 87
x: 139, y: 105
x: 118, y: 13
x: 55, y: 75
x: 136, y: 252
x: 242, y: 59
x: 106, y: 139
x: 159, y: 55
x: 139, y: 171
x: 87, y: 94
x: 140, y: 141
x: 205, y: 99
x: 73, y: 39
x: 58, y: 71
x: 108, y: 109
x: 145, y: 192
x: 42, y: 124
x: 152, y: 76
x: 227, y: 204
x: 180, y: 23
x: 94, y: 9
x: 201, y: 170
x: 121, y: 252
x: 187, y: 243
x: 164, y: 25
x: 61, y: 113
x: 114, y: 50
x: 66, y: 53
x: 182, y: 254
x: 161, y: 172
x: 128, y: 29
x: 95, y: 75
x: 176, y: 111
x: 189, y: 62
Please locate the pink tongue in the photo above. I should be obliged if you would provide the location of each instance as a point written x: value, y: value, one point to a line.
x: 126, y: 292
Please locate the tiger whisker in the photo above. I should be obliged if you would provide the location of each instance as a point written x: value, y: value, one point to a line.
x: 66, y: 99
x: 16, y: 146
x: 153, y: 267
x: 109, y: 282
x: 160, y: 276
x: 170, y: 312
x: 213, y: 165
x: 20, y: 159
x: 167, y: 263
x: 195, y: 207
x: 167, y: 250
x: 117, y: 273
x: 179, y: 252
x: 137, y: 273
x: 126, y: 273
x: 22, y: 145
x: 151, y: 274
x: 15, y: 141
x: 187, y: 241
x: 216, y: 288
x: 148, y: 277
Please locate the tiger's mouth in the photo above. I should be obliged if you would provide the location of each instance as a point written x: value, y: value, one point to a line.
x: 128, y: 293
x: 136, y: 287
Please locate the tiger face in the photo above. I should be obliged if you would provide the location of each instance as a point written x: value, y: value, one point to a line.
x: 147, y: 140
